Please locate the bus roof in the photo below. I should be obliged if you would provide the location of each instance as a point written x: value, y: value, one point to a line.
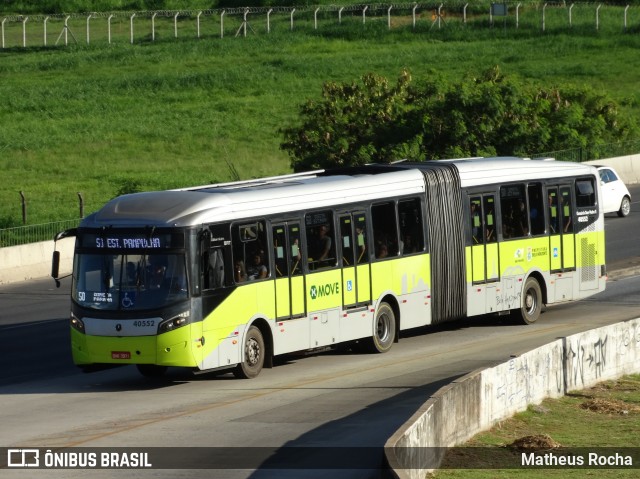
x: 230, y: 201
x: 312, y: 190
x: 486, y: 171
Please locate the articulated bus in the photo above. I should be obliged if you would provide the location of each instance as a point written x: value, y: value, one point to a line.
x: 229, y: 276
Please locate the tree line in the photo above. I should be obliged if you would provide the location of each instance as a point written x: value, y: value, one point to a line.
x: 486, y: 114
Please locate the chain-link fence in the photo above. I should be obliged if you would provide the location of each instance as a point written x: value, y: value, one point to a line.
x: 37, y: 30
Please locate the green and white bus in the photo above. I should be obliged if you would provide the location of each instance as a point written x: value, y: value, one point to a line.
x: 229, y: 276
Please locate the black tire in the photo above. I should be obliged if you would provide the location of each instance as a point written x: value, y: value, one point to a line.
x: 253, y: 357
x: 151, y: 370
x: 531, y: 301
x: 625, y: 207
x: 384, y: 329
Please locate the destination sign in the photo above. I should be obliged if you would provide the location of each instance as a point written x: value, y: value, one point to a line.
x: 132, y: 241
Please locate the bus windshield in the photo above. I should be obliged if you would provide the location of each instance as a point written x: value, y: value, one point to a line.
x: 129, y: 281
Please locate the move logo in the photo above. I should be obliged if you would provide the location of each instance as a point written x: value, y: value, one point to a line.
x: 320, y: 291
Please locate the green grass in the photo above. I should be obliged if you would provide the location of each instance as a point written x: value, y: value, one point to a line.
x: 605, y: 416
x: 177, y: 112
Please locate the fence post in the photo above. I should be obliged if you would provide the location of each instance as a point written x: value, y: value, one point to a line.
x: 44, y: 29
x: 198, y: 23
x: 464, y: 13
x: 598, y: 17
x: 24, y: 208
x: 131, y: 27
x: 340, y: 14
x: 109, y: 28
x: 625, y: 17
x: 81, y: 200
x: 413, y: 14
x: 88, y: 31
x: 389, y: 17
x: 570, y: 16
x: 222, y: 24
x: 24, y: 32
x: 315, y: 19
x: 364, y: 14
x: 153, y: 26
x: 292, y: 12
x: 518, y: 15
x: 269, y: 20
x: 3, y: 20
x: 544, y: 7
x: 175, y: 25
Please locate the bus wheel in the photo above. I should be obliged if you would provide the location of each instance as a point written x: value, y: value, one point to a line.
x: 151, y: 370
x: 384, y: 329
x: 531, y: 301
x: 253, y: 355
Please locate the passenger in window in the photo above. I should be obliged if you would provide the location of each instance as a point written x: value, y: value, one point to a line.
x: 239, y: 271
x: 408, y: 245
x: 257, y: 270
x: 382, y: 251
x: 523, y: 221
x: 475, y: 222
x: 360, y: 241
x: 322, y: 243
x: 156, y: 274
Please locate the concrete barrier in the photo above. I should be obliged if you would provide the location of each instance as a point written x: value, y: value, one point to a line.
x: 480, y: 399
x: 20, y: 263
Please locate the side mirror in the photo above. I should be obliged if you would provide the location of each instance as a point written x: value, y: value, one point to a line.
x: 55, y: 267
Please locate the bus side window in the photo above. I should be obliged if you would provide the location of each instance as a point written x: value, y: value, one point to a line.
x: 320, y: 240
x: 554, y: 217
x: 411, y: 228
x: 515, y: 217
x: 565, y: 209
x: 475, y: 209
x: 213, y: 268
x: 295, y: 244
x: 279, y: 251
x: 385, y: 229
x: 536, y: 216
x: 250, y: 256
x: 362, y: 251
x: 489, y: 219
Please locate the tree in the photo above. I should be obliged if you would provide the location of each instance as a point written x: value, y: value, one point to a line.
x: 483, y: 115
x: 353, y: 124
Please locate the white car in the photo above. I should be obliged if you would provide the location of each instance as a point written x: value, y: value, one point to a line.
x: 615, y: 195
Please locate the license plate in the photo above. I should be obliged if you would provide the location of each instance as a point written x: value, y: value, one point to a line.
x: 120, y: 355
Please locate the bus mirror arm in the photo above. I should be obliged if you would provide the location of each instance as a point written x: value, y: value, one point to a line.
x: 55, y: 260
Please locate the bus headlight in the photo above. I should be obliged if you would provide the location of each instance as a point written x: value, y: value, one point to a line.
x: 77, y: 324
x: 173, y: 323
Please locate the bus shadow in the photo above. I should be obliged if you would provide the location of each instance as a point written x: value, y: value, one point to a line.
x: 349, y: 446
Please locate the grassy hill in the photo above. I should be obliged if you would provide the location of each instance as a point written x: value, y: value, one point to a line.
x: 105, y: 118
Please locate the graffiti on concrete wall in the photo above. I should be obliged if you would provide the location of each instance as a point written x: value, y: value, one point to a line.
x: 590, y: 359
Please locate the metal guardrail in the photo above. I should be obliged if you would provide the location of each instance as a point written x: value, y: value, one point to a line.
x: 34, y: 233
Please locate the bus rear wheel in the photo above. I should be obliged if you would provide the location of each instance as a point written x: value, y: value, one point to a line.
x: 384, y: 329
x: 254, y: 351
x: 531, y: 301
